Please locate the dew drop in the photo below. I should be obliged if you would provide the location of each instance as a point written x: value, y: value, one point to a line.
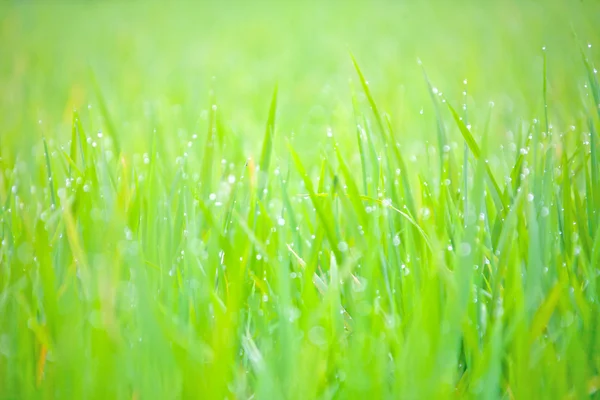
x: 342, y: 246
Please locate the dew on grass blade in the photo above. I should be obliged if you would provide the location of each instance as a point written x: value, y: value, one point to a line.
x: 464, y: 249
x: 317, y: 336
x: 530, y: 197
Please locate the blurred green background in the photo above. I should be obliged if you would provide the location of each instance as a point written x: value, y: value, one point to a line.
x: 150, y: 56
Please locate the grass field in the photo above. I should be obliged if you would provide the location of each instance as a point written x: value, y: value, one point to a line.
x: 299, y: 200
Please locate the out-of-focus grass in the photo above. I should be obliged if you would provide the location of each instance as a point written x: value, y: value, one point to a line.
x: 172, y: 227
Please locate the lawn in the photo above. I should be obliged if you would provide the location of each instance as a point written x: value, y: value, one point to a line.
x: 286, y: 200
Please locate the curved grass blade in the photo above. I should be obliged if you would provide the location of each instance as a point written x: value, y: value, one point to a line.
x: 267, y: 149
x: 321, y: 213
x: 49, y: 169
x: 367, y: 90
x: 496, y: 193
x: 110, y: 126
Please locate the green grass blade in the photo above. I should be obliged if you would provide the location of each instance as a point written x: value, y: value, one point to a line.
x: 267, y: 148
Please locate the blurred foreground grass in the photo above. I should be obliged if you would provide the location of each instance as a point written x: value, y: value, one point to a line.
x: 172, y: 227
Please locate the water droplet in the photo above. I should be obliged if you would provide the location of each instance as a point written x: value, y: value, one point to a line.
x: 405, y: 270
x: 464, y: 249
x: 128, y: 234
x: 293, y: 314
x: 317, y: 336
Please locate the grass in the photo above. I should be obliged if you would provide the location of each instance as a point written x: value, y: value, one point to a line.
x: 186, y: 213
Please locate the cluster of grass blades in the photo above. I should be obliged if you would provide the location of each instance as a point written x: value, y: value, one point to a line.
x: 193, y: 271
